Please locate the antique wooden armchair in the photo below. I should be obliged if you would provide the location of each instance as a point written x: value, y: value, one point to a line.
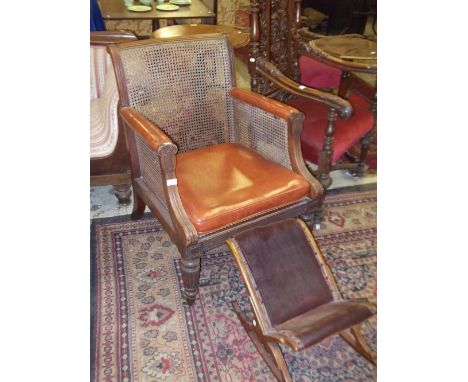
x: 333, y: 123
x: 293, y: 294
x: 208, y: 159
x: 110, y: 163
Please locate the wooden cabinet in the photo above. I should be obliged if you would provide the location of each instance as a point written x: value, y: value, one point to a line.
x: 344, y: 16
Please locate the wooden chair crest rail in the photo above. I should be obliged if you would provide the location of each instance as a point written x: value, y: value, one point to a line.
x: 333, y: 123
x: 293, y: 294
x: 110, y: 162
x: 209, y: 160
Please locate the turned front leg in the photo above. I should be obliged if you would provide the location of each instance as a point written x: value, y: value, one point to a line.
x: 190, y: 278
x: 326, y: 155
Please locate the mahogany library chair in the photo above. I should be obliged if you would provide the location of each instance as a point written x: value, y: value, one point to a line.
x: 209, y: 160
x: 110, y: 162
x: 293, y: 294
x: 333, y: 123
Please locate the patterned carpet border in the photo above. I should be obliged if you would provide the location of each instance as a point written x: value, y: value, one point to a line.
x: 93, y: 278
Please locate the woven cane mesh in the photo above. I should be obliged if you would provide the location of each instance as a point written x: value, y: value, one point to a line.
x: 263, y: 132
x: 183, y: 87
x: 150, y: 168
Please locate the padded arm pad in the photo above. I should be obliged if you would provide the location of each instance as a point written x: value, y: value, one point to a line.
x: 153, y: 135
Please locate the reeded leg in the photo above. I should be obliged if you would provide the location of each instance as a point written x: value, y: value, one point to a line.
x: 138, y: 207
x: 123, y: 193
x: 190, y: 278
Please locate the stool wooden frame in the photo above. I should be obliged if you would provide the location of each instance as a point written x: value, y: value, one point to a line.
x: 265, y: 336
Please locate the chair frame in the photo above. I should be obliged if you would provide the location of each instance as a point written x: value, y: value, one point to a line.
x: 265, y: 337
x: 278, y: 76
x: 189, y: 242
x: 115, y: 169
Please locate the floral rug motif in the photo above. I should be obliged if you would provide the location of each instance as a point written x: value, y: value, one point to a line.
x: 142, y: 332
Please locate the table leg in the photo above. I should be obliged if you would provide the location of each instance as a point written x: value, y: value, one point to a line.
x: 155, y: 24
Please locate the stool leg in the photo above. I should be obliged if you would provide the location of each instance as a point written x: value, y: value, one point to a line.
x: 269, y: 351
x: 364, y: 348
x: 278, y: 356
x: 358, y: 343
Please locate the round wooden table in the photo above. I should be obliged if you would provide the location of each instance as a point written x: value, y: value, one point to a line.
x: 237, y: 37
x: 356, y: 49
x: 357, y: 52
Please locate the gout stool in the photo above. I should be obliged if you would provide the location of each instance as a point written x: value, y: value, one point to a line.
x: 294, y: 297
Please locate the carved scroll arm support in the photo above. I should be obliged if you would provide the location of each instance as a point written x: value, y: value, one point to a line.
x: 269, y: 71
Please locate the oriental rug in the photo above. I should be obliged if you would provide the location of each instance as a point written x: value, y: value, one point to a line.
x: 140, y: 330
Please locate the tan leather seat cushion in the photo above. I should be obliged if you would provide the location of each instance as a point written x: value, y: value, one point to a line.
x: 226, y: 183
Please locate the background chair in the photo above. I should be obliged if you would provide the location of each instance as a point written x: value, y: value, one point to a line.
x: 110, y: 163
x: 208, y: 159
x: 332, y: 124
x: 293, y: 294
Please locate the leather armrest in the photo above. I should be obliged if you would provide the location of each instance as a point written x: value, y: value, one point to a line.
x: 269, y: 105
x: 268, y: 70
x: 153, y: 135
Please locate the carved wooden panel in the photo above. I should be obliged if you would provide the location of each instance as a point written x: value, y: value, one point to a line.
x: 275, y: 39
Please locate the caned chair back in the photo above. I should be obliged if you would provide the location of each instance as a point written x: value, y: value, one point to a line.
x: 181, y: 85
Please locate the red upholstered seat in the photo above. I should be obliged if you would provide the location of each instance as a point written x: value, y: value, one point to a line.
x: 226, y: 183
x: 318, y: 75
x: 347, y: 133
